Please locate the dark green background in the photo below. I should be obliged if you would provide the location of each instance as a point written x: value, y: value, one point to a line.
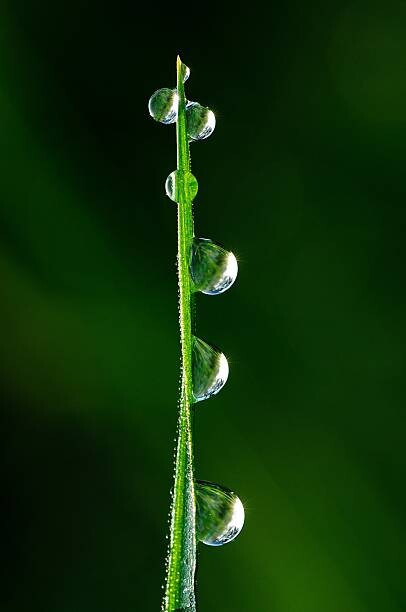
x: 304, y: 178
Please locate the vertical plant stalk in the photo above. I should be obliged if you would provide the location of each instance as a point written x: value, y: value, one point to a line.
x: 179, y: 594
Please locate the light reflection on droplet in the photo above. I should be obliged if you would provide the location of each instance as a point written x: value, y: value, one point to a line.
x: 212, y: 268
x: 220, y: 513
x: 209, y: 370
x: 185, y: 72
x: 200, y: 121
x: 173, y: 185
x: 163, y: 105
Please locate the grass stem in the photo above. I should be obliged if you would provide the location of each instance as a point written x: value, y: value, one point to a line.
x: 179, y: 594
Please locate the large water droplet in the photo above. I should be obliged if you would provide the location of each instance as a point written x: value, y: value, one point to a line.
x: 220, y: 513
x: 163, y: 105
x: 200, y: 121
x: 174, y: 182
x: 213, y: 269
x: 210, y: 370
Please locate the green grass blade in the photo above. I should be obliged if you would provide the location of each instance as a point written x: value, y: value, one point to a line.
x: 179, y: 593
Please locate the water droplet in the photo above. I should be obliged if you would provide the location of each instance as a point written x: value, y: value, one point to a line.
x: 220, y: 513
x: 213, y: 269
x: 173, y: 185
x: 210, y: 370
x: 163, y: 105
x: 185, y: 71
x: 200, y: 121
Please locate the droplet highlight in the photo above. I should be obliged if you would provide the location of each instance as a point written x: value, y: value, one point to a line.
x: 213, y: 269
x: 200, y: 121
x: 209, y: 369
x: 163, y: 105
x: 173, y: 185
x: 220, y: 514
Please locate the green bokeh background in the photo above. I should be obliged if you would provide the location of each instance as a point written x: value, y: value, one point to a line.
x: 304, y: 179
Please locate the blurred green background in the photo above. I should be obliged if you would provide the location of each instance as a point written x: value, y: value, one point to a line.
x: 304, y: 179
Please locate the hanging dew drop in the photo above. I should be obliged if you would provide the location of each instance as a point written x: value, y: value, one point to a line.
x: 173, y: 185
x: 163, y: 105
x: 213, y: 269
x: 200, y: 121
x: 209, y: 370
x: 185, y: 71
x: 220, y: 513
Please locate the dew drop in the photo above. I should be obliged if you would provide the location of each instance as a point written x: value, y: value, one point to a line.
x: 213, y: 269
x: 173, y: 185
x: 209, y: 370
x: 200, y: 121
x: 220, y: 513
x: 185, y: 72
x: 163, y: 105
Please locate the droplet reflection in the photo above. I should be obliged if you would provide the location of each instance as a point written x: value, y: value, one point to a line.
x: 173, y: 185
x: 163, y: 105
x: 220, y: 513
x: 209, y: 370
x: 200, y: 121
x: 213, y: 269
x: 185, y: 72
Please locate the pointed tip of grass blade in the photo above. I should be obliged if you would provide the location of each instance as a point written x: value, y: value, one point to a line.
x: 180, y: 75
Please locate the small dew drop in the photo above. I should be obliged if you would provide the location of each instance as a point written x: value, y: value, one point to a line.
x: 209, y: 370
x: 220, y: 513
x: 173, y: 185
x: 200, y: 121
x: 163, y: 105
x: 213, y: 269
x: 185, y: 71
